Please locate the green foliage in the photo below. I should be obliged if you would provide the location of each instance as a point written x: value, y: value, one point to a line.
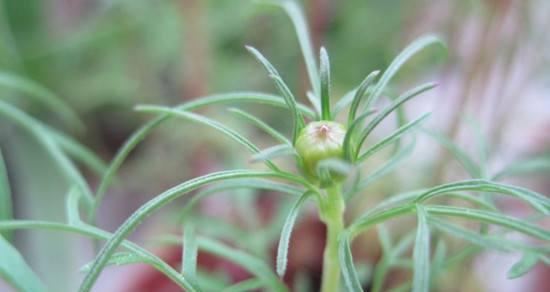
x: 284, y: 241
x: 421, y: 254
x: 6, y: 207
x: 15, y: 270
x: 42, y: 95
x: 324, y: 181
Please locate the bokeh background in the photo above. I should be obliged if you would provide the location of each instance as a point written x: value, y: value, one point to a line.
x: 103, y: 57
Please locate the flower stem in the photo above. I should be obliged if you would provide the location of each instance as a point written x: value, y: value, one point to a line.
x: 332, y: 214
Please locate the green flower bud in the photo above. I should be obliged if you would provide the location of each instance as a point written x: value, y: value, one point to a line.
x: 318, y: 141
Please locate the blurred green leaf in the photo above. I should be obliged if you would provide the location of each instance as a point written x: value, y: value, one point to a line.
x: 42, y: 95
x: 120, y: 259
x: 72, y: 207
x: 298, y: 120
x: 15, y: 270
x: 211, y: 123
x: 485, y: 241
x: 359, y: 95
x: 492, y: 218
x: 37, y: 130
x: 298, y: 19
x: 525, y: 167
x: 97, y: 233
x: 252, y: 264
x: 395, y: 104
x: 260, y: 124
x: 6, y: 207
x: 393, y: 137
x: 349, y: 273
x: 190, y: 252
x: 143, y: 131
x: 325, y: 85
x: 284, y: 240
x: 412, y: 49
x: 421, y: 253
x: 526, y: 264
x: 537, y: 201
x: 164, y: 198
x: 391, y: 164
x: 471, y: 167
x: 78, y: 151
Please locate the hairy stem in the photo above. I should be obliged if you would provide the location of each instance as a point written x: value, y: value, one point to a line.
x: 332, y: 214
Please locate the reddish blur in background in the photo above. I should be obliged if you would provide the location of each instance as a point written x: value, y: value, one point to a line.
x: 105, y: 56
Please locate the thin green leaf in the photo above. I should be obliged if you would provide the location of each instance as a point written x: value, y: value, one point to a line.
x: 246, y: 285
x: 216, y: 228
x: 398, y: 102
x: 6, y: 207
x: 413, y: 48
x: 384, y: 238
x: 438, y: 261
x: 252, y: 264
x: 240, y: 184
x: 143, y: 131
x: 273, y: 152
x: 349, y: 273
x: 474, y: 200
x: 260, y: 124
x: 37, y: 130
x: 211, y: 123
x: 15, y: 270
x: 359, y: 94
x: 421, y: 253
x: 533, y: 165
x: 162, y: 199
x: 371, y: 218
x: 492, y: 218
x: 298, y: 120
x: 284, y: 240
x: 315, y: 103
x: 482, y: 146
x: 527, y: 263
x: 537, y: 201
x: 296, y: 15
x: 488, y: 242
x: 120, y: 259
x: 96, y: 233
x: 349, y: 147
x: 383, y: 170
x: 345, y: 101
x: 392, y: 137
x: 462, y: 157
x: 72, y: 206
x: 42, y: 95
x: 403, y: 245
x: 190, y: 252
x: 325, y: 85
x: 78, y: 151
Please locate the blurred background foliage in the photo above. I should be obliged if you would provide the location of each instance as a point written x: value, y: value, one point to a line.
x: 103, y: 57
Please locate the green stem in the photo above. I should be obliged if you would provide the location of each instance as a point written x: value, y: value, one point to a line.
x: 332, y: 214
x: 380, y: 275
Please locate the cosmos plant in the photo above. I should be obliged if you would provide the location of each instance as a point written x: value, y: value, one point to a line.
x: 328, y: 151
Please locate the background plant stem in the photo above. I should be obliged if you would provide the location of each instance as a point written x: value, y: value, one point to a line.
x: 332, y: 213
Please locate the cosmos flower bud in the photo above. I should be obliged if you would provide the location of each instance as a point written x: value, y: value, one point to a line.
x: 319, y: 141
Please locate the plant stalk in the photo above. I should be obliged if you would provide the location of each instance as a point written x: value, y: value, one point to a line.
x: 332, y: 214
